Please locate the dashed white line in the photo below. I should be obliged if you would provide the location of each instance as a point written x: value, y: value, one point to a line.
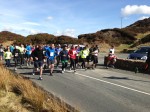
x: 113, y: 84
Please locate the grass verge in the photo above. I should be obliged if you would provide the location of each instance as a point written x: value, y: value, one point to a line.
x: 18, y: 94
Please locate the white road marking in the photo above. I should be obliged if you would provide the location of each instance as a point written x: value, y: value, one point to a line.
x: 113, y: 84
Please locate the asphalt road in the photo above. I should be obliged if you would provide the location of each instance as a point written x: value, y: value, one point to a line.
x: 99, y: 90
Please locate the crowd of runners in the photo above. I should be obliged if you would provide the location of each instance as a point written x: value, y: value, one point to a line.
x: 46, y: 56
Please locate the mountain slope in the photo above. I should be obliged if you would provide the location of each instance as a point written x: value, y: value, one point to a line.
x: 116, y: 36
x: 8, y: 36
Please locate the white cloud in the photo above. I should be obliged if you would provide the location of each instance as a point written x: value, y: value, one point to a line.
x: 32, y: 31
x: 135, y: 9
x: 49, y: 18
x: 32, y: 23
x: 67, y: 32
x: 143, y: 17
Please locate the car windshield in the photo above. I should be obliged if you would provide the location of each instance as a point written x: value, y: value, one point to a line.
x: 142, y: 50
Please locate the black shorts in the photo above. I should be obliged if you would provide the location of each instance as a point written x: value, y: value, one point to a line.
x: 27, y: 56
x: 95, y: 59
x: 49, y: 62
x: 88, y: 58
x: 1, y: 53
x: 38, y: 64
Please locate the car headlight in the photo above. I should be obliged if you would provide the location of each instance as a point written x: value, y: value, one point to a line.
x: 144, y: 58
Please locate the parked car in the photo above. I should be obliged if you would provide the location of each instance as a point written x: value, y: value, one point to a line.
x: 139, y: 54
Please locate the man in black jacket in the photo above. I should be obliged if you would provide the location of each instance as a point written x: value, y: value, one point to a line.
x: 38, y: 58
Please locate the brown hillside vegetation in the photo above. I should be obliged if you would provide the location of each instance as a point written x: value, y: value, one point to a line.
x: 18, y: 94
x: 45, y: 38
x: 8, y: 36
x: 122, y: 38
x: 128, y: 35
x: 144, y: 40
x: 141, y: 26
x: 109, y: 36
x: 41, y: 38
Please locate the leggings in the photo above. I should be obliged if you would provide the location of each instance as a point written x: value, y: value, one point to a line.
x: 64, y: 65
x: 73, y: 63
x: 21, y: 59
x: 83, y: 62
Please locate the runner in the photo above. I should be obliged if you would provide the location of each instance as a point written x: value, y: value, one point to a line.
x: 58, y: 50
x: 11, y: 48
x: 77, y: 48
x: 95, y: 57
x: 28, y: 54
x: 38, y: 58
x: 50, y: 54
x: 83, y: 53
x: 1, y: 52
x: 72, y: 54
x: 64, y: 58
x: 7, y: 57
x: 16, y: 55
x: 22, y: 53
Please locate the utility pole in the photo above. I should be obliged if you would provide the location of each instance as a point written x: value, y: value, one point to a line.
x: 121, y: 22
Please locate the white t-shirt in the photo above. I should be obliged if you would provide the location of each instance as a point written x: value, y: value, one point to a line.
x: 112, y: 51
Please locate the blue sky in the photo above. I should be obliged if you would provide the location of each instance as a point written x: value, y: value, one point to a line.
x: 69, y: 17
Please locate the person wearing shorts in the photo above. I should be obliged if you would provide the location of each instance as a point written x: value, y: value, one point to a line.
x: 50, y: 54
x: 95, y: 57
x: 38, y: 58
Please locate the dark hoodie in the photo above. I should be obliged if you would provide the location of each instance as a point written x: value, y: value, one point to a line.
x: 38, y: 53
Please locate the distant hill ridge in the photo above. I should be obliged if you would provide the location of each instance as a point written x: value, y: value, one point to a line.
x: 116, y: 36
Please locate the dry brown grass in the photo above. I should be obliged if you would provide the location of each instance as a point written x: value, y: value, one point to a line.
x: 18, y: 94
x: 7, y: 43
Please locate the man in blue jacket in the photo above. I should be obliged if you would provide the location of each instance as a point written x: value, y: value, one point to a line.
x: 50, y: 54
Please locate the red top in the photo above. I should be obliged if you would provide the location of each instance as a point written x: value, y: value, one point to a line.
x: 72, y: 53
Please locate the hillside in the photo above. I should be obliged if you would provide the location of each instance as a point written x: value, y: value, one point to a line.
x: 143, y: 41
x: 109, y: 36
x: 41, y: 38
x: 129, y: 36
x: 8, y: 36
x: 141, y: 26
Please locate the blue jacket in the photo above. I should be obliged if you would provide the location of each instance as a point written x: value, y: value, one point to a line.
x: 58, y: 50
x: 28, y: 48
x: 50, y: 53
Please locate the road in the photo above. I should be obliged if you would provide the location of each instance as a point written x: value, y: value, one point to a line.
x: 99, y: 90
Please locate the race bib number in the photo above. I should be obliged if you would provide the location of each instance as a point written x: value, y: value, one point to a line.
x: 52, y: 54
x: 16, y: 54
x: 30, y: 52
x: 74, y: 52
